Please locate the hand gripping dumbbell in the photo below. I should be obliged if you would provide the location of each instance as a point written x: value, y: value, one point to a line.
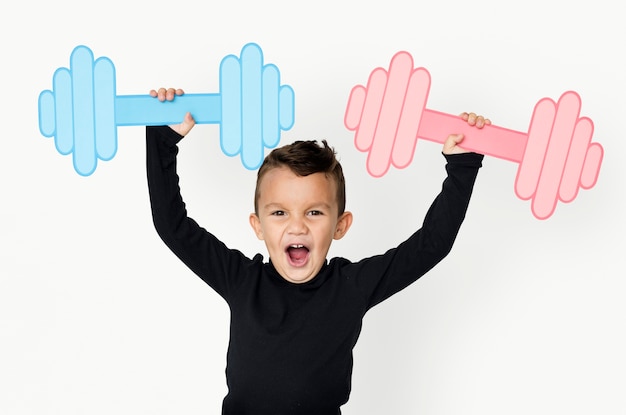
x: 82, y: 111
x: 556, y: 155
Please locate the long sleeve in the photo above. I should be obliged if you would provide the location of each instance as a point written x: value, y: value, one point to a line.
x: 381, y: 276
x: 200, y: 250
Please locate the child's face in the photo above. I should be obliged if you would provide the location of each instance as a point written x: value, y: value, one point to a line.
x: 298, y: 219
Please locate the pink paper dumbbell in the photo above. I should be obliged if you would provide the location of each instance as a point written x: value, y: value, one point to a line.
x: 556, y: 156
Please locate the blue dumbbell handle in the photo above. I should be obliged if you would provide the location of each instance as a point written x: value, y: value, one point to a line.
x: 147, y: 110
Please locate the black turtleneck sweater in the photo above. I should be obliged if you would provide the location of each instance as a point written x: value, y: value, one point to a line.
x: 290, y: 349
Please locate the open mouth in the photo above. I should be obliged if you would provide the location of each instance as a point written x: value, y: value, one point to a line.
x: 297, y: 254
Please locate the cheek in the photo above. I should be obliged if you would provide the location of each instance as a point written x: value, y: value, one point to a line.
x: 326, y: 235
x: 271, y: 233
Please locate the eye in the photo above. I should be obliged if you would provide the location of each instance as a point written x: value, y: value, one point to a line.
x: 278, y: 213
x: 315, y: 213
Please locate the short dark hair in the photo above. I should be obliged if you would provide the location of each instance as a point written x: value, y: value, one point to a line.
x: 305, y: 158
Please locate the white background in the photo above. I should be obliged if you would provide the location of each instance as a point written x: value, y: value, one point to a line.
x: 525, y: 316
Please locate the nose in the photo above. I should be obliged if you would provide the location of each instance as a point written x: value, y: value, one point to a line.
x: 297, y: 225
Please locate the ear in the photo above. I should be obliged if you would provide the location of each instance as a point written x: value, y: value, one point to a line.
x: 255, y: 222
x: 343, y: 224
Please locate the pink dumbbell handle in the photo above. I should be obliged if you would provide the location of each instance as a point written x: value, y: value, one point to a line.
x: 491, y: 140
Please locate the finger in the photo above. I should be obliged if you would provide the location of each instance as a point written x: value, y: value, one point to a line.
x: 187, y: 124
x: 482, y: 121
x: 454, y: 139
x: 471, y: 118
x: 170, y: 93
x: 161, y: 94
x: 450, y: 146
x: 184, y: 127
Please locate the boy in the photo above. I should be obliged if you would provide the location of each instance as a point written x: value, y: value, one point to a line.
x: 296, y: 318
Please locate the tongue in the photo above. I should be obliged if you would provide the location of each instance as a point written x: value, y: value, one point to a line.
x: 298, y: 254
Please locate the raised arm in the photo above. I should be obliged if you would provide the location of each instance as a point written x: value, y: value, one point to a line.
x: 200, y: 250
x: 381, y: 276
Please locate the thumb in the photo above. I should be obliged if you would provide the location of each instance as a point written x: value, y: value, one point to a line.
x: 184, y: 127
x: 450, y: 146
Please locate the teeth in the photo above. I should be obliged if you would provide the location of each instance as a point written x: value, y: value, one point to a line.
x: 296, y: 246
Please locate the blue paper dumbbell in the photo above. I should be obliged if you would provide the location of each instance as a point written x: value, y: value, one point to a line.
x: 82, y: 111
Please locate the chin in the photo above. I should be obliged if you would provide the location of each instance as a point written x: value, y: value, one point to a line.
x: 299, y: 279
